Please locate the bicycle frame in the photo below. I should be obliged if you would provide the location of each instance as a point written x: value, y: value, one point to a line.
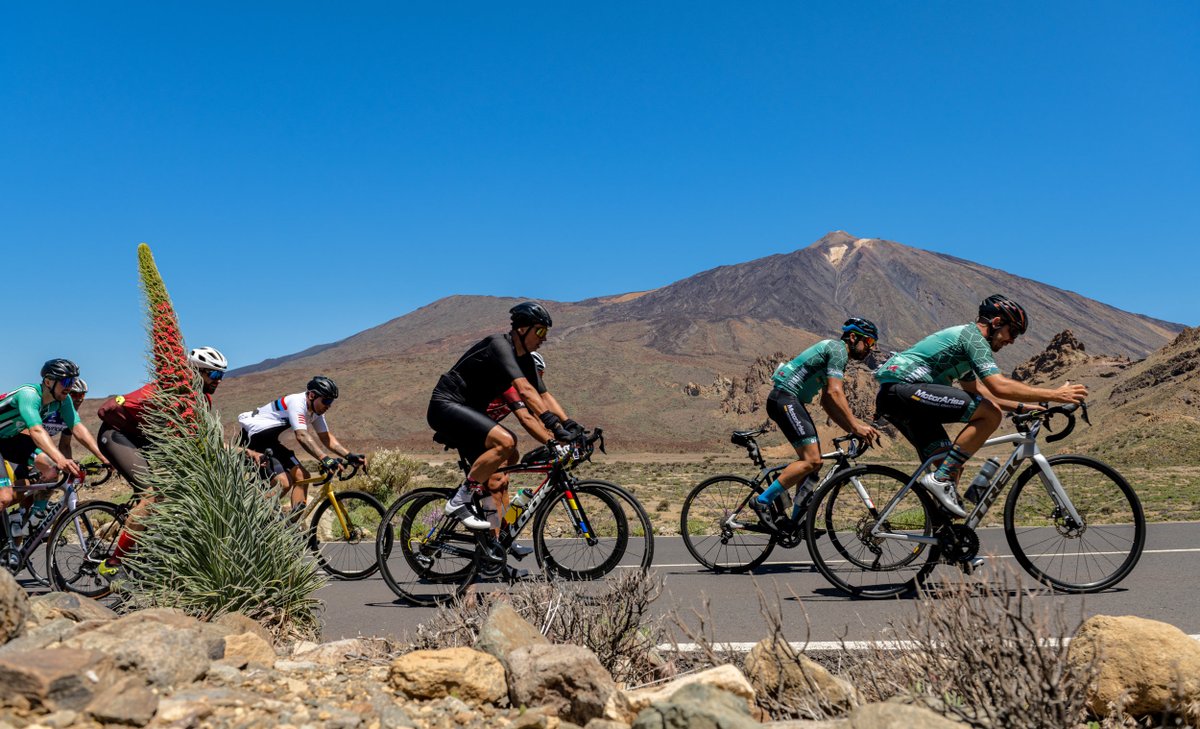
x: 69, y: 501
x: 1025, y: 447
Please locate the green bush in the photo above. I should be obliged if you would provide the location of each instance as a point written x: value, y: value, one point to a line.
x: 390, y: 475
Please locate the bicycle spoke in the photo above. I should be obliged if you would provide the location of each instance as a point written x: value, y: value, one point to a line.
x: 720, y: 529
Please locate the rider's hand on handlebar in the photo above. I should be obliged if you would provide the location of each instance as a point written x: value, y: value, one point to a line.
x: 574, y: 428
x: 356, y: 459
x: 66, y: 464
x: 866, y: 432
x: 329, y: 464
x: 1069, y: 393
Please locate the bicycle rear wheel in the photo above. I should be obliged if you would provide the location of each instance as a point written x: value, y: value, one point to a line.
x: 720, y: 529
x: 1078, y: 558
x: 346, y: 551
x: 840, y: 519
x: 425, y: 557
x: 82, y: 539
x: 594, y: 528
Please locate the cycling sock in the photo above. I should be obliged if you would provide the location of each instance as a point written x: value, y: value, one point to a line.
x: 773, y: 491
x: 462, y: 496
x: 125, y: 544
x: 491, y: 513
x: 953, y: 464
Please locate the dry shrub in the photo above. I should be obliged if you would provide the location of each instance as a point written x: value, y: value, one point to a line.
x: 617, y: 627
x: 1180, y: 711
x: 983, y: 654
x: 805, y: 698
x: 390, y: 475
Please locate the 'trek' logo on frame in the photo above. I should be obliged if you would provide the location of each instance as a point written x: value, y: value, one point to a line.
x: 929, y: 397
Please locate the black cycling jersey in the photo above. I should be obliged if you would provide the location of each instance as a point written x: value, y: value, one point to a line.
x: 485, y: 372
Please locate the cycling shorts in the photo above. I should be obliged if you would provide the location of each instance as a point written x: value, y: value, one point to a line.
x: 19, y: 451
x: 282, y: 457
x: 126, y: 452
x: 792, y: 418
x: 918, y: 411
x: 460, y: 427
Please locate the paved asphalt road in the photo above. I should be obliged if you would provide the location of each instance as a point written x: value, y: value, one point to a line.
x: 1164, y: 586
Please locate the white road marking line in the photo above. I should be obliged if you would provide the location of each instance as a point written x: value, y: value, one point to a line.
x: 833, y: 645
x: 984, y: 554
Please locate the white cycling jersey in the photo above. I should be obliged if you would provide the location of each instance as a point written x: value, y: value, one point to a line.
x: 288, y: 411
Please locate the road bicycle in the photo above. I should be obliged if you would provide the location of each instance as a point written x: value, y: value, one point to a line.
x: 17, y: 553
x: 341, y: 535
x: 721, y: 530
x: 583, y: 529
x: 1072, y: 522
x: 343, y: 525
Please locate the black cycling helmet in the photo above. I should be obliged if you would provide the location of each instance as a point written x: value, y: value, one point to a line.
x: 528, y: 313
x: 1009, y: 311
x: 860, y: 326
x: 57, y: 369
x: 323, y: 386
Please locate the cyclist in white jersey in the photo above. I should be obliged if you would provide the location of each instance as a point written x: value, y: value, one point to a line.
x: 262, y: 427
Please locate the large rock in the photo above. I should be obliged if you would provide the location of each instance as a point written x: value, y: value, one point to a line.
x: 248, y: 648
x: 1142, y: 663
x: 54, y: 605
x: 891, y: 715
x: 129, y: 702
x: 55, y: 678
x: 726, y: 677
x: 697, y: 705
x: 167, y: 648
x: 504, y: 631
x: 45, y: 635
x: 466, y: 673
x: 14, y: 607
x: 238, y: 623
x: 775, y: 668
x: 566, y: 678
x: 329, y: 654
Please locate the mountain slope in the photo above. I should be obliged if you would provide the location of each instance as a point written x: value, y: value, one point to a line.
x: 625, y: 361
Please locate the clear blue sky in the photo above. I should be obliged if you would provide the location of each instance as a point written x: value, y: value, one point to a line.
x: 306, y: 170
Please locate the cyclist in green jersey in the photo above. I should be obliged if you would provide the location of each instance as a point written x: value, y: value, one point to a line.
x: 820, y: 368
x: 24, y: 440
x: 915, y: 392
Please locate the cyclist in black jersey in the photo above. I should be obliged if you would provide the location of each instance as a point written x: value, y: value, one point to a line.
x: 458, y: 408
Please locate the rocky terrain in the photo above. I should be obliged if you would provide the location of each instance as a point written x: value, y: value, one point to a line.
x: 66, y: 661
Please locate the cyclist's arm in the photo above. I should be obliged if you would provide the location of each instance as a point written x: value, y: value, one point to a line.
x: 531, y: 424
x: 833, y: 399
x: 43, y: 440
x: 332, y: 443
x: 976, y: 387
x: 85, y: 437
x: 310, y: 444
x: 534, y: 407
x: 64, y: 444
x: 1010, y: 389
x: 553, y: 406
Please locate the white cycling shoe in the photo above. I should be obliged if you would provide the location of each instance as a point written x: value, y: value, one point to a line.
x: 468, y: 518
x: 945, y: 492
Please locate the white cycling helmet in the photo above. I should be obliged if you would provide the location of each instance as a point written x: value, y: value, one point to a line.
x: 208, y: 358
x: 539, y: 361
x: 80, y: 385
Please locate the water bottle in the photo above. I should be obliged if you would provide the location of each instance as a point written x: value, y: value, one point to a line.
x: 18, y: 527
x: 802, y: 493
x: 979, y: 486
x: 37, y: 513
x: 517, y: 505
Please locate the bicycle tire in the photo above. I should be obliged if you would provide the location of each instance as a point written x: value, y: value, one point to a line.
x: 624, y: 535
x: 82, y: 539
x: 719, y: 528
x: 346, y: 556
x: 1113, y: 518
x: 837, y: 532
x: 420, y: 572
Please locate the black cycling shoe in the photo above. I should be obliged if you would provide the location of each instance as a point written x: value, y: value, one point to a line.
x: 765, y: 516
x: 520, y: 551
x: 493, y: 552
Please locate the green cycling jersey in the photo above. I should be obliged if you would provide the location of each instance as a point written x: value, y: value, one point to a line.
x: 957, y: 353
x: 805, y: 375
x: 22, y: 409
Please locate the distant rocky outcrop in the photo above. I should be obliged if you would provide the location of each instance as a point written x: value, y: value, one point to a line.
x: 1176, y: 363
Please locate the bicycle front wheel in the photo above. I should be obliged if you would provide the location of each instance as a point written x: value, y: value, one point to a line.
x: 82, y: 539
x: 594, y: 528
x: 1094, y: 554
x: 720, y: 529
x: 425, y: 557
x: 841, y: 517
x: 344, y: 542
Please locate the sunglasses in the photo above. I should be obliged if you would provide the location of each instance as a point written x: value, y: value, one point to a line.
x: 870, y: 342
x: 327, y: 401
x: 67, y: 382
x: 214, y: 375
x: 541, y: 331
